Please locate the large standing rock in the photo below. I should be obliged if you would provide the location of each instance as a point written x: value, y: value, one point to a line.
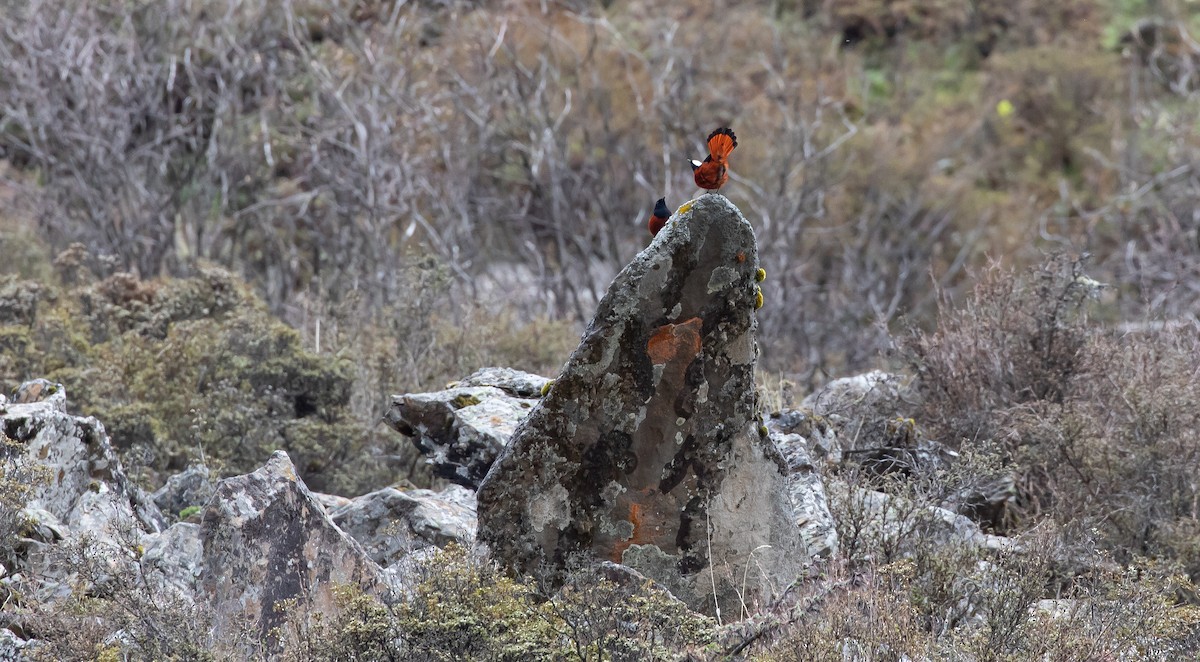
x: 648, y: 449
x: 462, y: 429
x: 266, y: 539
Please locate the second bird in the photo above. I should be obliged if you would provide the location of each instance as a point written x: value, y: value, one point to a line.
x: 712, y: 173
x: 658, y: 217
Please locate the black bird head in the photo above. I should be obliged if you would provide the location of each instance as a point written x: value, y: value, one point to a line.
x: 660, y: 208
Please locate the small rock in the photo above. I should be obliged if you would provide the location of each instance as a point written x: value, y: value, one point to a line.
x: 389, y: 523
x: 874, y: 394
x: 192, y: 487
x: 12, y: 647
x: 514, y: 382
x: 462, y: 429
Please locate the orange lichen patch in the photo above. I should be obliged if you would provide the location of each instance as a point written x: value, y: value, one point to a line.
x: 741, y: 256
x: 675, y: 341
x: 647, y: 524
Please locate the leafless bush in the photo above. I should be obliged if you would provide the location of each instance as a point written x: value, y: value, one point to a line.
x: 114, y: 611
x: 1017, y: 340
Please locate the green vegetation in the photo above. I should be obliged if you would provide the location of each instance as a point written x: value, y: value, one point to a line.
x: 460, y: 609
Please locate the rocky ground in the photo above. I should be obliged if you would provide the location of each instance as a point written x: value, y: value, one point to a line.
x: 649, y: 466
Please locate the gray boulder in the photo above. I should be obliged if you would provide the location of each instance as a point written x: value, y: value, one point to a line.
x: 389, y: 523
x: 874, y: 394
x: 897, y: 524
x: 462, y: 429
x: 173, y: 560
x: 12, y: 647
x: 266, y: 540
x: 648, y: 449
x: 85, y: 487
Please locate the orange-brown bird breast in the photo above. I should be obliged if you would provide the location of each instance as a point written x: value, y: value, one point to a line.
x: 711, y: 175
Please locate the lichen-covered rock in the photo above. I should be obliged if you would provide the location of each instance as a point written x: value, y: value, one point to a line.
x: 266, y: 539
x: 896, y: 523
x: 190, y: 488
x: 12, y: 647
x: 807, y: 491
x: 78, y: 495
x: 85, y: 487
x: 462, y: 429
x: 389, y: 523
x: 173, y: 559
x: 820, y: 438
x: 874, y: 394
x: 648, y: 449
x: 514, y: 382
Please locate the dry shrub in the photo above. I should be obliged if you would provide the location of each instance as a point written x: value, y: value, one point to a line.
x: 1098, y: 428
x: 1057, y: 110
x: 956, y: 603
x: 985, y: 25
x: 1017, y: 341
x: 1130, y: 446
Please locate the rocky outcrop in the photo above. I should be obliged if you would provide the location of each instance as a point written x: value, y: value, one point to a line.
x: 262, y: 540
x: 266, y: 540
x: 648, y: 449
x: 83, y: 485
x: 462, y: 429
x: 814, y: 521
x: 389, y: 523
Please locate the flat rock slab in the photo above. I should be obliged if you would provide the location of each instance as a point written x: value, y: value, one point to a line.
x: 648, y: 449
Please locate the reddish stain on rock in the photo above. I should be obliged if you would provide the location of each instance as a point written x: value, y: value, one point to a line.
x: 672, y: 342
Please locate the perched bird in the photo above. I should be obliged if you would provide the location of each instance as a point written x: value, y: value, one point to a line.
x: 658, y: 218
x: 711, y: 173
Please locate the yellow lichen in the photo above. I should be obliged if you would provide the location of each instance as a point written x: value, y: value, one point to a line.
x: 546, y: 387
x: 758, y: 298
x: 685, y: 207
x: 464, y: 400
x: 760, y: 275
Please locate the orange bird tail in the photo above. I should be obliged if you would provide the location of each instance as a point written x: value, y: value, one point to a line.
x: 721, y: 143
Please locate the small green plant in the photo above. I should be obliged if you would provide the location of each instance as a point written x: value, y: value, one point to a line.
x: 188, y: 512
